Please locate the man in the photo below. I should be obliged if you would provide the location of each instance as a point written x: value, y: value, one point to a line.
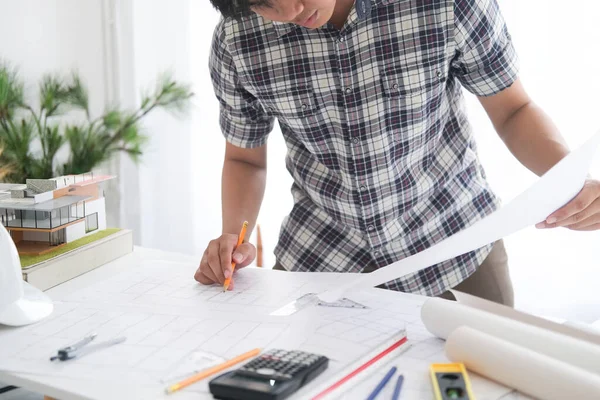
x: 369, y: 100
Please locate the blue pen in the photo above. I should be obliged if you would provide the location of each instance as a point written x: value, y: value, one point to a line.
x: 382, y: 384
x: 398, y: 387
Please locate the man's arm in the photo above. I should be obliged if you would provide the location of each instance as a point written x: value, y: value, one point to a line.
x: 246, y: 128
x: 242, y: 186
x: 242, y: 189
x: 527, y: 131
x: 535, y: 141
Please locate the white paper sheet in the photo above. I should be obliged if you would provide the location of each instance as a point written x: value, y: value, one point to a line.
x: 442, y: 317
x: 519, y: 367
x: 559, y: 185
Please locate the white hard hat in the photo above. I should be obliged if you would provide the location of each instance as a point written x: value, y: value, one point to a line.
x: 20, y: 303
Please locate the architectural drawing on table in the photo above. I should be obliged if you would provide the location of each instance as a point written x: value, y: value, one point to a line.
x: 43, y: 214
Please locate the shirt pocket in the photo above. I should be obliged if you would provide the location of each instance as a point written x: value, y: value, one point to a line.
x: 412, y: 100
x: 295, y: 108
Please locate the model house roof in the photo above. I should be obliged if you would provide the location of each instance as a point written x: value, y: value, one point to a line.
x: 5, y: 187
x: 50, y: 194
x: 49, y: 205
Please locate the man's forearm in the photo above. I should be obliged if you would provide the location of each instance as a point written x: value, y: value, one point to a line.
x: 242, y: 190
x: 533, y: 139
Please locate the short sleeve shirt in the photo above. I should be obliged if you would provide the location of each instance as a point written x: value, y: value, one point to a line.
x: 379, y: 146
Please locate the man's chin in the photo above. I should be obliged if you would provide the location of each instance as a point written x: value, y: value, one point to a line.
x: 322, y: 20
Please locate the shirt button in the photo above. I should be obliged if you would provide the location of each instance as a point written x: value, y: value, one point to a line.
x: 371, y: 228
x: 395, y: 86
x: 363, y: 188
x: 341, y: 39
x: 376, y: 253
x: 438, y: 73
x: 348, y: 90
x: 355, y: 140
x: 304, y: 106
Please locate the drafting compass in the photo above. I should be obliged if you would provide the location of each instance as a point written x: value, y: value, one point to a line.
x: 79, y: 349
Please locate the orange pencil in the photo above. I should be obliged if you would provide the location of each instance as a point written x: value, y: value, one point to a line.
x: 239, y: 242
x: 211, y: 371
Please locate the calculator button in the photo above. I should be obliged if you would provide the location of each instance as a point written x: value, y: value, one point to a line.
x: 265, y: 371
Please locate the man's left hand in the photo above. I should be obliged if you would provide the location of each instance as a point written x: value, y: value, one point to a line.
x: 580, y: 214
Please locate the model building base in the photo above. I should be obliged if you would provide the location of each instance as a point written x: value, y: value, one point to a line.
x: 76, y: 258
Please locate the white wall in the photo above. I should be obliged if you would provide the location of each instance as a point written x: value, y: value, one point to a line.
x: 97, y: 206
x: 40, y: 198
x: 43, y: 36
x: 94, y: 206
x: 102, y: 219
x: 58, y: 36
x: 560, y: 59
x: 153, y: 36
x: 207, y: 142
x: 75, y: 231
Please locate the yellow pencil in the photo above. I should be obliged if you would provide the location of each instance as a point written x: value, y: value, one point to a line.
x: 211, y: 371
x: 239, y: 242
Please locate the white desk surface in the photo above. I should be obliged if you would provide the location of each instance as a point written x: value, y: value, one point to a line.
x: 63, y: 388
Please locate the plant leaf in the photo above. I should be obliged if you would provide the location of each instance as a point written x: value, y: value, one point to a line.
x: 11, y: 91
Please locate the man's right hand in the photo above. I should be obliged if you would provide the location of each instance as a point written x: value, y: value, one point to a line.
x: 215, y: 265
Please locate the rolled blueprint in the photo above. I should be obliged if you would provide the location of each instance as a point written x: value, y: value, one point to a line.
x: 442, y: 317
x: 553, y: 190
x: 534, y: 374
x: 576, y: 330
x: 583, y: 327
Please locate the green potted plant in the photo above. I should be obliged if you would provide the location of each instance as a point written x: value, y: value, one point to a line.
x: 91, y: 141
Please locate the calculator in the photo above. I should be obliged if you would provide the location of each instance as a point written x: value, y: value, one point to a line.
x: 274, y: 375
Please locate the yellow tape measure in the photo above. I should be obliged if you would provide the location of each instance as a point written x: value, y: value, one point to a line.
x: 451, y: 382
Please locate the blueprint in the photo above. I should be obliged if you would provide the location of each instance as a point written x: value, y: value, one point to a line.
x: 174, y: 326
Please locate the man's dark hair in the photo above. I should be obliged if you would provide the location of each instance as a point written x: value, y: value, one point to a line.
x: 237, y: 8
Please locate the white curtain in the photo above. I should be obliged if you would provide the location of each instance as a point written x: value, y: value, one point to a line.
x: 156, y: 195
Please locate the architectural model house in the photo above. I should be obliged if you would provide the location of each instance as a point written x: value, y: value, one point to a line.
x: 45, y: 213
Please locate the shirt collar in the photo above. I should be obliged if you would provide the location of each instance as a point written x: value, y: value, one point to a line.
x: 363, y: 9
x: 283, y: 28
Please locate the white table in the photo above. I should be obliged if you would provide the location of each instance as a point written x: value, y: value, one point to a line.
x: 52, y: 386
x: 67, y: 389
x: 63, y: 388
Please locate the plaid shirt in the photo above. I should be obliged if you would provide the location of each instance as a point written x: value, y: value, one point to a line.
x: 379, y: 146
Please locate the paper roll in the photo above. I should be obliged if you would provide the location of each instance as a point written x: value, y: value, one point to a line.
x: 441, y: 317
x: 578, y: 331
x: 515, y: 366
x: 583, y: 327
